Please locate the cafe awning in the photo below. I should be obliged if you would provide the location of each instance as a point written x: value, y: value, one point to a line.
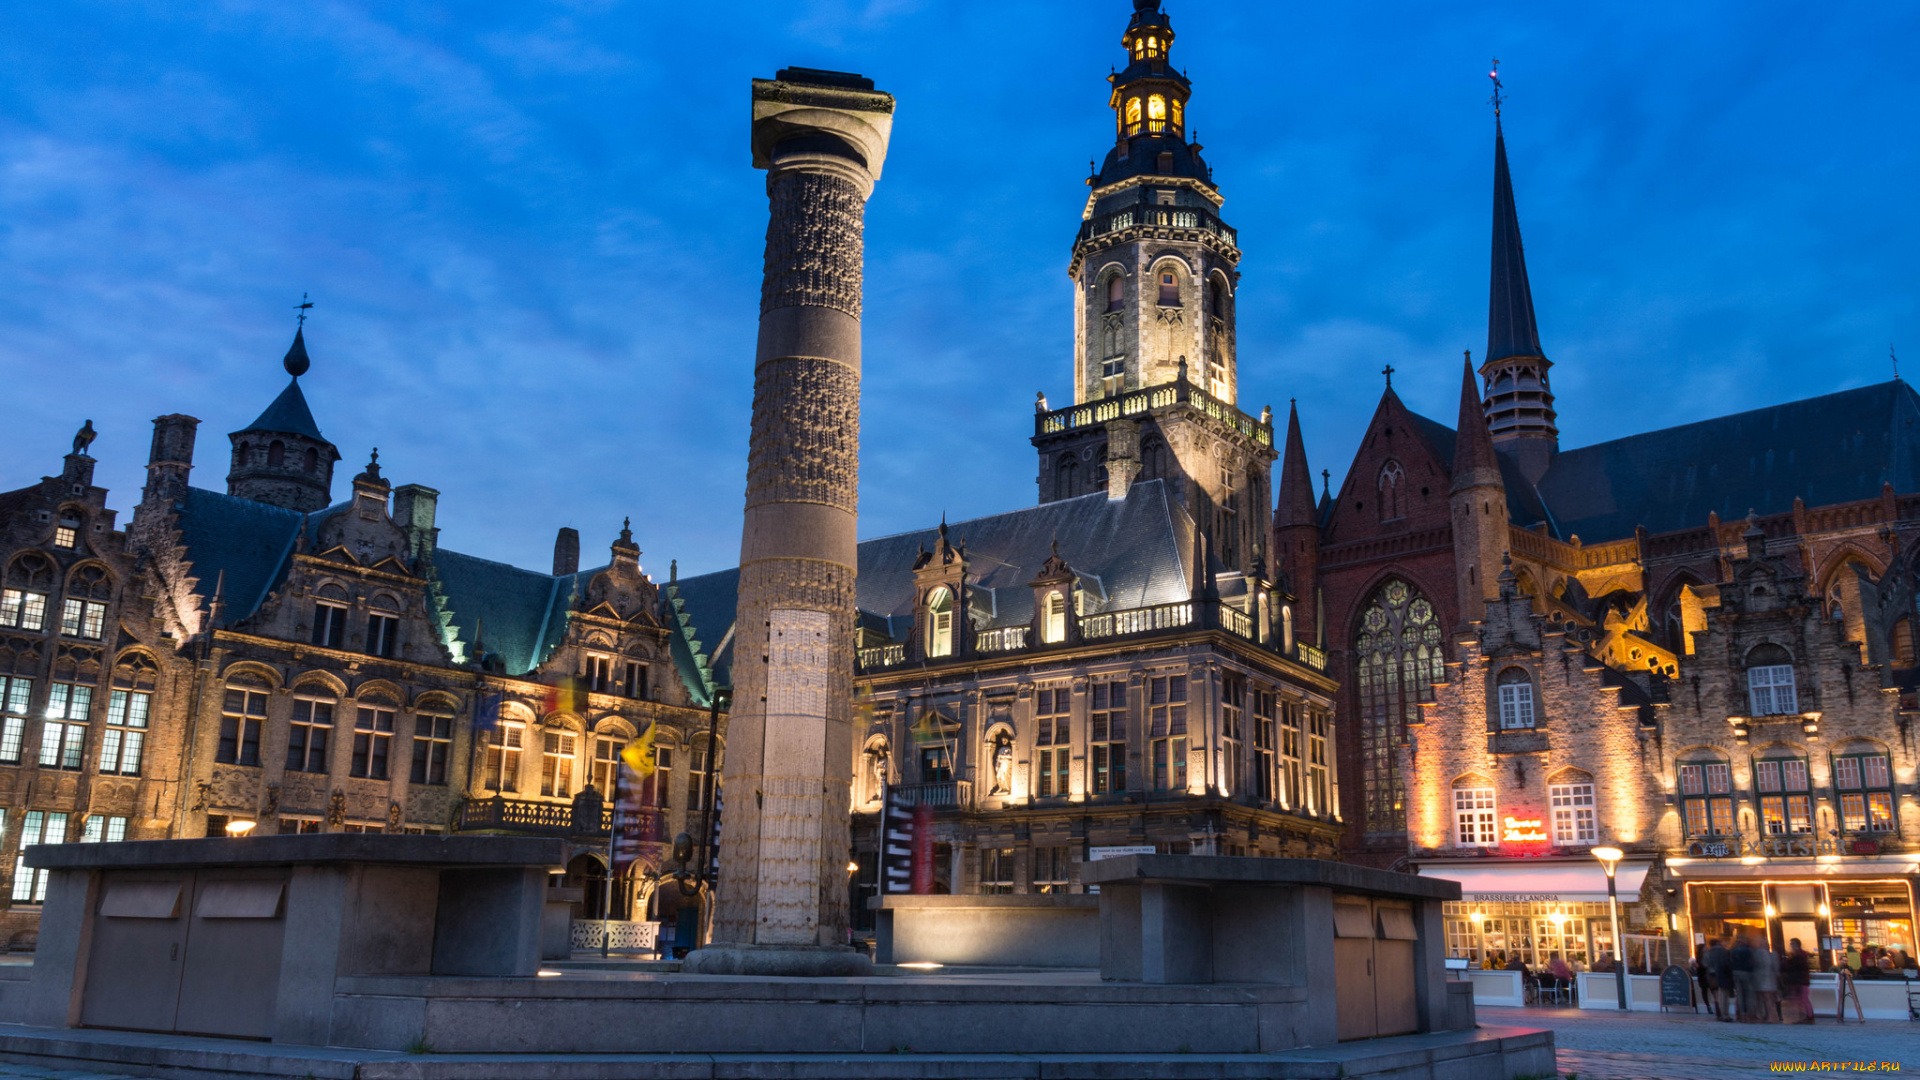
x: 1537, y: 882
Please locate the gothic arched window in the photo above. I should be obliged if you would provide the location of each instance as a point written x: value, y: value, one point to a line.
x: 1392, y: 479
x: 1217, y: 300
x: 1116, y: 292
x: 1153, y: 458
x: 1066, y: 478
x: 1397, y: 660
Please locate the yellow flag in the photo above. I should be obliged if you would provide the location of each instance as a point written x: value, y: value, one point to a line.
x: 639, y: 755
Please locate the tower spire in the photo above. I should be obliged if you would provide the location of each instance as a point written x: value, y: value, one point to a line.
x: 1296, y: 480
x: 1519, y: 394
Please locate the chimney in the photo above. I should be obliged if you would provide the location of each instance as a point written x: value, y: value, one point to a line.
x: 566, y: 552
x: 413, y: 510
x: 171, y: 459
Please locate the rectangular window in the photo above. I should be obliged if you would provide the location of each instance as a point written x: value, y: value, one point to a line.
x: 83, y: 619
x: 1319, y: 772
x: 432, y: 746
x: 382, y: 633
x: 241, y: 717
x: 1516, y: 705
x: 64, y: 738
x: 66, y: 535
x: 635, y: 681
x: 1292, y: 795
x: 1107, y: 738
x: 600, y: 674
x: 703, y: 778
x: 1770, y: 690
x: 126, y: 734
x: 292, y: 826
x: 1265, y: 739
x: 23, y: 609
x: 606, y: 765
x: 1051, y: 869
x: 372, y: 742
x: 1233, y: 697
x: 556, y: 763
x: 329, y: 625
x: 1866, y: 783
x: 662, y: 778
x: 1052, y: 710
x: 99, y: 829
x: 307, y: 735
x: 1473, y: 817
x: 30, y: 884
x: 1167, y: 696
x: 503, y: 755
x: 16, y: 696
x: 1573, y: 823
x: 996, y: 870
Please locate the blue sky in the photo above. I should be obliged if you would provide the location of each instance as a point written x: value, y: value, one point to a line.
x: 534, y: 237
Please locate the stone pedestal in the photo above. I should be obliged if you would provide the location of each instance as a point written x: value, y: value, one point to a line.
x: 782, y: 901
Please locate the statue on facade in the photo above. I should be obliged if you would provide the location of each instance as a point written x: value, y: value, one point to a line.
x: 84, y: 438
x: 876, y: 771
x: 1002, y: 764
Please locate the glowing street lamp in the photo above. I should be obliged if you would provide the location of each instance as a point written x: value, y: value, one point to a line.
x: 1609, y: 858
x: 240, y: 828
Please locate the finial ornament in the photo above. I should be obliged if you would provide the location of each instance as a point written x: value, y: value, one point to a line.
x: 302, y: 307
x: 1326, y: 479
x: 1388, y: 372
x: 1498, y: 97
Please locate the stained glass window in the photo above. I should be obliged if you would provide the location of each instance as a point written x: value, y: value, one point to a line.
x: 1397, y: 658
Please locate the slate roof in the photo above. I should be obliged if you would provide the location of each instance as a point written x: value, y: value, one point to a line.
x: 1129, y: 553
x: 1835, y: 448
x: 246, y: 548
x: 288, y: 414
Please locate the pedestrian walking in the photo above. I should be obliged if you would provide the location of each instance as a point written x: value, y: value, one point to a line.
x: 1796, y: 970
x: 1740, y: 960
x: 1720, y: 966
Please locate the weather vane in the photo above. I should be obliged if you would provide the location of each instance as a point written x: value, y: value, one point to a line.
x: 1895, y: 357
x: 1495, y: 76
x: 302, y: 307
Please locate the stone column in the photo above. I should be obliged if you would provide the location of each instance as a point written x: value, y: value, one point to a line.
x: 782, y: 902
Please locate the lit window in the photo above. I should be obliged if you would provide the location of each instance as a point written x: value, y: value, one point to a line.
x: 1706, y: 798
x: 101, y: 829
x: 1156, y: 114
x: 1053, y: 621
x: 504, y: 744
x: 701, y: 784
x: 1052, y: 867
x: 67, y: 533
x: 432, y: 745
x: 1133, y: 116
x: 1153, y: 46
x: 1052, y: 724
x: 1265, y: 734
x: 126, y: 734
x: 307, y: 735
x: 372, y: 742
x: 1106, y: 738
x: 1573, y: 823
x: 606, y: 765
x: 556, y: 763
x: 996, y: 870
x: 26, y: 610
x: 1319, y: 769
x: 940, y: 623
x: 1473, y: 821
x: 16, y: 694
x: 1233, y: 697
x: 241, y: 716
x: 1516, y: 699
x: 1179, y: 119
x: 83, y: 619
x: 1785, y: 796
x: 660, y: 785
x: 1168, y: 719
x: 1865, y: 784
x: 64, y: 735
x: 30, y: 883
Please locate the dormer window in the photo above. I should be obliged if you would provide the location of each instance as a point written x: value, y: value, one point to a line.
x: 1053, y: 619
x: 1156, y: 114
x: 1770, y: 686
x: 940, y: 623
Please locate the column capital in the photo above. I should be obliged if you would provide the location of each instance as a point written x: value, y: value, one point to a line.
x: 823, y: 121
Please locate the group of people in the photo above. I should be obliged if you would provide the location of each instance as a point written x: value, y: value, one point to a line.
x: 1745, y: 981
x: 1879, y: 962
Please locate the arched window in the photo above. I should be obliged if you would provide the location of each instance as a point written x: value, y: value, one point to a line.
x: 1217, y: 300
x: 1053, y: 619
x: 24, y: 603
x: 1066, y: 477
x: 1474, y: 821
x: 1706, y: 794
x: 1179, y: 119
x: 1570, y: 796
x: 1392, y: 479
x: 1116, y: 292
x: 1153, y: 458
x: 242, y: 453
x: 1515, y: 689
x: 84, y: 613
x: 312, y: 462
x: 1770, y: 689
x: 940, y: 622
x: 1133, y: 116
x: 1169, y: 289
x: 1156, y: 114
x: 1397, y: 661
x: 276, y: 454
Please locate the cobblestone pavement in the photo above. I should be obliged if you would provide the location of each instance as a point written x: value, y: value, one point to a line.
x: 1596, y: 1045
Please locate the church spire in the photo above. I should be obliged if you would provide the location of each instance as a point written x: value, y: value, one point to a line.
x: 1519, y: 394
x: 1474, y: 461
x: 1296, y: 480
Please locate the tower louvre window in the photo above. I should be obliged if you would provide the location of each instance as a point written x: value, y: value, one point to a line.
x: 1156, y: 114
x: 1179, y: 117
x: 1133, y: 116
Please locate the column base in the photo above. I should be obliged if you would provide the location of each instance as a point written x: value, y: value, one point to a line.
x: 805, y: 961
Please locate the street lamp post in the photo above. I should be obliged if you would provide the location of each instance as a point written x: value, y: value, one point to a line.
x: 1610, y: 857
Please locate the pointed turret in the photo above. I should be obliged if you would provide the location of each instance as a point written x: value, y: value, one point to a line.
x: 1296, y: 535
x: 1479, y: 498
x: 281, y: 458
x: 1296, y: 480
x: 1519, y: 393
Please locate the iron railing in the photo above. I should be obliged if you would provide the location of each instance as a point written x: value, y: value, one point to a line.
x: 958, y: 793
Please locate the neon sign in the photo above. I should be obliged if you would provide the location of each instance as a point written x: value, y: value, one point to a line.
x: 1522, y: 831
